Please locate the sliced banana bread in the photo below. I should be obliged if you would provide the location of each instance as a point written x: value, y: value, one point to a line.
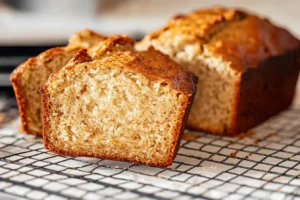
x: 118, y: 104
x: 29, y: 76
x: 247, y: 67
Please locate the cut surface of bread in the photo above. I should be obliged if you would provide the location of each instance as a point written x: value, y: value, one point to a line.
x: 118, y: 104
x: 30, y: 75
x: 247, y: 68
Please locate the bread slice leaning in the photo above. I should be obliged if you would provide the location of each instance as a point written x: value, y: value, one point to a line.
x: 118, y: 104
x: 30, y: 75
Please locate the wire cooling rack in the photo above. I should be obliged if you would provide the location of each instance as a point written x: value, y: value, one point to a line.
x: 263, y: 165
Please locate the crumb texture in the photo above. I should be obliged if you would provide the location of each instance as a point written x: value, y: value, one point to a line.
x: 108, y: 111
x: 29, y: 76
x: 30, y: 80
x: 212, y: 108
x: 120, y: 105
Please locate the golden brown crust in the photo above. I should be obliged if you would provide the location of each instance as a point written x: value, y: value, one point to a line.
x: 82, y: 39
x: 80, y: 57
x: 181, y: 127
x: 246, y: 43
x: 151, y: 63
x: 113, y: 43
x: 200, y: 25
x: 85, y: 39
x: 274, y: 90
x: 20, y: 99
x: 15, y: 79
x: 155, y: 65
x: 45, y: 114
x: 239, y: 38
x: 263, y: 92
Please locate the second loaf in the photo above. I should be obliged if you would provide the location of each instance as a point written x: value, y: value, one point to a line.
x: 247, y: 67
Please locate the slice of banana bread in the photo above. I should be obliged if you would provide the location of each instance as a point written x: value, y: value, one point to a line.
x: 118, y: 104
x: 247, y: 67
x: 29, y: 76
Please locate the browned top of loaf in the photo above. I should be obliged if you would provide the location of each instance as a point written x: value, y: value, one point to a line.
x: 45, y: 56
x: 111, y: 44
x: 155, y: 65
x: 119, y: 51
x: 237, y: 37
x: 83, y: 39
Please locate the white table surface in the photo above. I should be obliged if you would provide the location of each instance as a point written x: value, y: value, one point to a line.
x: 130, y: 17
x: 266, y: 166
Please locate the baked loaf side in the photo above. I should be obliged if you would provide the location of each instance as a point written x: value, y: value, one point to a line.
x: 121, y: 105
x: 266, y: 90
x: 231, y: 51
x: 30, y: 75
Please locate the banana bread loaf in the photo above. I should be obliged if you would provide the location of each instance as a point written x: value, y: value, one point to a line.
x: 247, y: 67
x: 116, y: 103
x: 29, y: 76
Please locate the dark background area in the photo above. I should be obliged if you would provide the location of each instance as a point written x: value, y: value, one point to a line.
x: 29, y: 27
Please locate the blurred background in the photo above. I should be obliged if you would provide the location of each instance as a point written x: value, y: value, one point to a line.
x: 31, y: 26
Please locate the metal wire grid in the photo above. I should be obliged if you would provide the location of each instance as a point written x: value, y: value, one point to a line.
x: 265, y: 165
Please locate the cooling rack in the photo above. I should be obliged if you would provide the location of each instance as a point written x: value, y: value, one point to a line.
x: 261, y: 164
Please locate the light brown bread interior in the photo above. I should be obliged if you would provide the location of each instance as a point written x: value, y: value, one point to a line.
x: 28, y: 77
x: 213, y: 106
x: 27, y: 85
x: 108, y: 108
